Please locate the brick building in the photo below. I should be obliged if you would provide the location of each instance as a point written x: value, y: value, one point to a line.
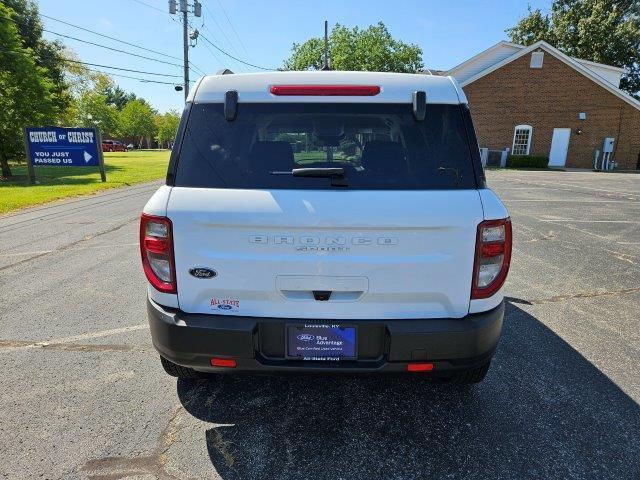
x: 536, y: 100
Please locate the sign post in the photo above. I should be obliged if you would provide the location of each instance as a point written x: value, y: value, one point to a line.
x: 32, y: 172
x: 103, y: 174
x: 63, y: 147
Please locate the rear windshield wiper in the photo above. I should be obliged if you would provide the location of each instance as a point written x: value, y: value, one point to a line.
x: 318, y: 172
x: 336, y: 174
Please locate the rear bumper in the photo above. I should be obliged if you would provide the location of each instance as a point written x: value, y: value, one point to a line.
x: 258, y: 344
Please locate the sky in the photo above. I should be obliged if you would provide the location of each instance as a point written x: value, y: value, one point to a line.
x: 262, y: 32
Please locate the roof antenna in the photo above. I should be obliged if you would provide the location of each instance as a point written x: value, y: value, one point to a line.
x: 327, y: 63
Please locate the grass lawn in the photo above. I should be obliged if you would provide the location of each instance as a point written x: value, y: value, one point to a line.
x: 53, y: 183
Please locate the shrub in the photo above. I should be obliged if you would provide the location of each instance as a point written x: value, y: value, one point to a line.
x: 527, y: 161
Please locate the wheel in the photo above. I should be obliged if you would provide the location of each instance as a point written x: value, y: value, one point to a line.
x: 177, y: 370
x: 471, y: 376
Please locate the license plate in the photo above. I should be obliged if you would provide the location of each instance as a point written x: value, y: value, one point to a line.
x: 321, y: 342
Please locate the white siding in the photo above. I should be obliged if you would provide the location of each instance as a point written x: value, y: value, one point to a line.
x: 483, y: 60
x: 610, y: 74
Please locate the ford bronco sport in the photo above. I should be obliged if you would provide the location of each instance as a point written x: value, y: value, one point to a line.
x: 326, y: 221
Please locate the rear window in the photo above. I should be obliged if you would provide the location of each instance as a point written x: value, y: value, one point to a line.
x: 378, y: 146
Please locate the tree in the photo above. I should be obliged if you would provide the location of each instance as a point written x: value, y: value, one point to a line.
x: 118, y: 97
x: 47, y: 54
x: 137, y: 120
x: 91, y: 107
x: 26, y: 92
x: 371, y: 49
x: 114, y: 95
x: 92, y: 110
x: 79, y: 77
x: 605, y: 31
x: 167, y: 127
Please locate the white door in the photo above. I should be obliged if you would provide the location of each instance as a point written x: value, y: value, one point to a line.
x: 559, y: 147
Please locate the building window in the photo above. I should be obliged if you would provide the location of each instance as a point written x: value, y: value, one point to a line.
x: 521, y: 140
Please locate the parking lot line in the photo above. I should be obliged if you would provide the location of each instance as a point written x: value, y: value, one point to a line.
x: 77, y: 338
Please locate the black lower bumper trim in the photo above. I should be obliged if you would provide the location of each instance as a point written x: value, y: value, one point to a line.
x: 258, y: 344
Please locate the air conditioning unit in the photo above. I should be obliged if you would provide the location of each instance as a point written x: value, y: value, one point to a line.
x: 484, y: 156
x: 496, y: 158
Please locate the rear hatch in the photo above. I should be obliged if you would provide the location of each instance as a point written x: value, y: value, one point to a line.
x: 380, y: 224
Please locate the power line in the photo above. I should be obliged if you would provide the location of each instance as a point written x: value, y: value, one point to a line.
x: 143, y: 80
x: 184, y: 13
x: 213, y: 54
x: 68, y: 60
x: 240, y: 67
x: 122, y: 69
x: 235, y: 58
x: 111, y: 48
x: 117, y: 39
x: 221, y: 29
x: 95, y: 64
x: 204, y: 26
x: 110, y: 38
x: 150, y: 6
x: 233, y: 28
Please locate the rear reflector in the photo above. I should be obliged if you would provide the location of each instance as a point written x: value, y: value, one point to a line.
x: 326, y: 90
x: 419, y: 367
x: 223, y: 362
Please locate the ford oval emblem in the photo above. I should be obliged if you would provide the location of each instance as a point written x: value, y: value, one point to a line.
x: 306, y: 337
x: 225, y: 307
x: 202, y: 272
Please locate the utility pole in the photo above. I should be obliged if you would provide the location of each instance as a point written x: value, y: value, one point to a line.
x: 185, y: 41
x: 186, y: 36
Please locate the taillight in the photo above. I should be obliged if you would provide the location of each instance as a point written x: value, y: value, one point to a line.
x: 493, y: 256
x: 326, y: 90
x: 156, y: 248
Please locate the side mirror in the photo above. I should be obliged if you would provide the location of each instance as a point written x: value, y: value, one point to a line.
x: 419, y: 105
x: 230, y: 105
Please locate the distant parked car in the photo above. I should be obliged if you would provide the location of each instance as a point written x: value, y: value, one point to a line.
x: 113, y: 146
x: 130, y: 146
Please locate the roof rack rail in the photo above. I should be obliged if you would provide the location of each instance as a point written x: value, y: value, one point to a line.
x: 224, y: 71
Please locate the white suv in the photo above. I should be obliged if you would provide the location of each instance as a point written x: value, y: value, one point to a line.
x: 326, y: 221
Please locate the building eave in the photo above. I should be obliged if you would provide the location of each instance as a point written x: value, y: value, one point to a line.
x: 602, y: 65
x: 502, y: 43
x: 573, y: 63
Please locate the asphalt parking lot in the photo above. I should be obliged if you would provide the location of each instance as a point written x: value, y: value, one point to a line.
x: 83, y: 395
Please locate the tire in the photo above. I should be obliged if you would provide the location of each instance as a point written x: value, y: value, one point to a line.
x: 177, y: 370
x: 471, y: 376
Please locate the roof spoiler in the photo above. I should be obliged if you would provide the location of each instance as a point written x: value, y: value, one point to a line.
x: 419, y: 99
